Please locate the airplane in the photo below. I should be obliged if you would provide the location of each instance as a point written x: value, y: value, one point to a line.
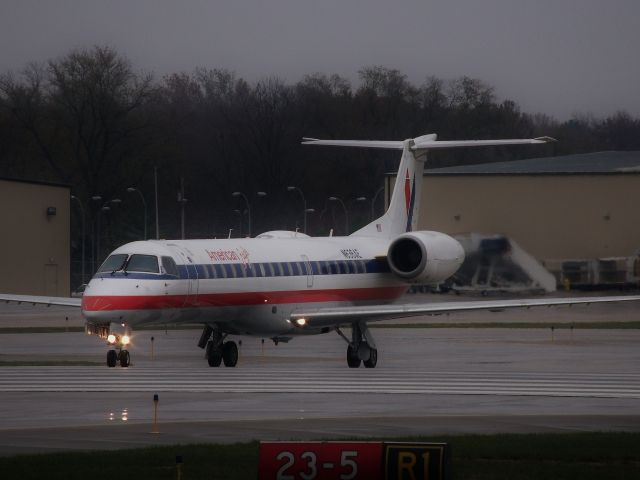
x: 283, y: 284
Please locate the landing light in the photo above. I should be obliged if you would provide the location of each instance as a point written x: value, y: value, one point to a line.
x: 111, y: 338
x: 125, y: 339
x: 301, y: 322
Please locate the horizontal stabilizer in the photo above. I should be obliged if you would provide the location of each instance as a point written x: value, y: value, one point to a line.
x: 393, y: 145
x: 426, y: 142
x: 443, y: 144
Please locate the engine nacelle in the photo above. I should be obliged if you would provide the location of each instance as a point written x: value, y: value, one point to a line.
x: 425, y: 257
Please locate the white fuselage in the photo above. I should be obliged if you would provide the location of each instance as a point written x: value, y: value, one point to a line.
x: 248, y: 286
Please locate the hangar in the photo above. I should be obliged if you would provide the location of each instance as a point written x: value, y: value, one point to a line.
x: 35, y: 243
x: 576, y: 208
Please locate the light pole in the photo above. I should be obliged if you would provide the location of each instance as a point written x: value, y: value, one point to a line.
x: 246, y: 200
x: 73, y: 197
x: 144, y: 204
x: 309, y: 210
x: 261, y: 194
x: 155, y: 186
x: 373, y: 202
x: 304, y: 203
x: 355, y: 200
x: 94, y: 254
x: 346, y: 213
x: 240, y: 218
x: 105, y: 208
x: 182, y: 201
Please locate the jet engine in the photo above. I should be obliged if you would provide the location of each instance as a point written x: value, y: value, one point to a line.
x: 424, y: 256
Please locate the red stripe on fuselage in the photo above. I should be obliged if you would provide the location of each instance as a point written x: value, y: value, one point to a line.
x: 154, y: 302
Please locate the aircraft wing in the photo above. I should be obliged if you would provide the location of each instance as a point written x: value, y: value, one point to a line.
x: 333, y: 317
x: 35, y: 299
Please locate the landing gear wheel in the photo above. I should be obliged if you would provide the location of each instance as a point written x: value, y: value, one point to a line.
x: 373, y: 359
x: 214, y: 355
x: 125, y: 358
x: 112, y: 358
x: 230, y: 354
x: 352, y: 357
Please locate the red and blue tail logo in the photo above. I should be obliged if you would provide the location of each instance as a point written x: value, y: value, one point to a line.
x: 409, y: 198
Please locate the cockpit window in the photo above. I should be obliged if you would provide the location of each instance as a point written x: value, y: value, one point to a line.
x: 113, y: 263
x: 169, y: 266
x: 143, y: 263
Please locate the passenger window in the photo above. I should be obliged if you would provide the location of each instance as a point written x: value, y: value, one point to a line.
x: 228, y: 268
x: 294, y: 269
x: 113, y: 263
x: 143, y: 263
x: 267, y: 270
x: 218, y: 271
x: 240, y: 272
x: 285, y: 269
x: 169, y: 266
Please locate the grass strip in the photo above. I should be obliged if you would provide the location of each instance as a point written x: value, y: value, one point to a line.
x: 570, y: 456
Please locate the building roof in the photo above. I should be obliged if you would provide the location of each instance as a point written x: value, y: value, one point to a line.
x: 35, y: 182
x: 579, y: 164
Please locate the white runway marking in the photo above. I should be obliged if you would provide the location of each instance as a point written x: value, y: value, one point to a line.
x: 284, y: 380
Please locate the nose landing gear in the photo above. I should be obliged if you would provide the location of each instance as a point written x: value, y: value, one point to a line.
x: 118, y: 337
x: 113, y: 357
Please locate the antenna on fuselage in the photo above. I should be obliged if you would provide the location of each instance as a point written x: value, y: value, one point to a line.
x: 230, y: 230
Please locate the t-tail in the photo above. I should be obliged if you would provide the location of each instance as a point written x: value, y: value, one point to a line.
x: 402, y: 214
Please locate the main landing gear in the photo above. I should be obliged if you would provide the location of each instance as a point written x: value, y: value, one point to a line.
x: 361, y: 348
x: 218, y: 351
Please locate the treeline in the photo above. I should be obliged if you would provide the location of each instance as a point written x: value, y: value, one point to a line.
x: 91, y: 120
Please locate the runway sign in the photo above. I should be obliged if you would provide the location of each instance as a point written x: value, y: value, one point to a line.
x: 416, y: 461
x: 353, y: 461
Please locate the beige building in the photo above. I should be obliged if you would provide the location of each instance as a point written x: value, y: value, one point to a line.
x: 571, y: 207
x: 34, y: 245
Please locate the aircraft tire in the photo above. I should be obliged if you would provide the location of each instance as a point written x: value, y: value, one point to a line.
x: 125, y: 358
x: 230, y: 354
x: 373, y: 359
x: 352, y: 357
x: 112, y: 358
x: 214, y: 355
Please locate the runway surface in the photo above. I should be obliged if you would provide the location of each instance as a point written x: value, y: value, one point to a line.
x: 344, y: 381
x: 57, y: 394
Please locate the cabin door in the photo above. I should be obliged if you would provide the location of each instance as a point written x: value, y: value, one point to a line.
x: 307, y: 266
x: 188, y: 273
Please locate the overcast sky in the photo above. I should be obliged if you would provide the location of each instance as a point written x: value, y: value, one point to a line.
x: 552, y: 56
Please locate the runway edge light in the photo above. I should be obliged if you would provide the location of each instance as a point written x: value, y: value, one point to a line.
x: 156, y: 399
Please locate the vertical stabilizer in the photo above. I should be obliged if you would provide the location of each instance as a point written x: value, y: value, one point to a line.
x: 402, y: 214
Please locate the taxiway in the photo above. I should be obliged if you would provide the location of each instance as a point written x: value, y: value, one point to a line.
x: 56, y: 394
